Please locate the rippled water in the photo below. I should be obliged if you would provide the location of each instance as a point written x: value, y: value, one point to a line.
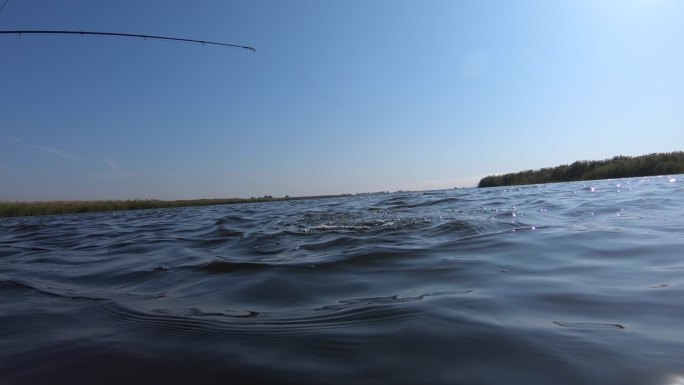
x: 573, y: 283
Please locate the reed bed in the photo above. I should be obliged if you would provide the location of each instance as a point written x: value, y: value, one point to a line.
x: 18, y: 209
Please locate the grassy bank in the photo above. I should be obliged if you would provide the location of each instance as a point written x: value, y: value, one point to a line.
x: 18, y: 209
x: 617, y: 167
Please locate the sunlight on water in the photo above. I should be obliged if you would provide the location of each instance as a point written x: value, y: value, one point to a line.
x: 676, y: 380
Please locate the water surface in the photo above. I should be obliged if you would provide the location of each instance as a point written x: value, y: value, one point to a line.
x: 571, y: 283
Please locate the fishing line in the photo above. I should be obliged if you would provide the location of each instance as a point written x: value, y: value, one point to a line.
x: 3, y: 6
x: 116, y: 34
x: 336, y: 103
x: 312, y: 86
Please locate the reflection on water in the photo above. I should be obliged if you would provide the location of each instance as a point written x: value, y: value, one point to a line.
x: 573, y: 283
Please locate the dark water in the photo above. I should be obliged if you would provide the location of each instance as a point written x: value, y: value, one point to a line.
x: 576, y: 283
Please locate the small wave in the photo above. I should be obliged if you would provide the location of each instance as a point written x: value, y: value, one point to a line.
x: 218, y: 267
x: 460, y: 228
x: 245, y: 323
x: 589, y: 325
x: 196, y: 312
x: 48, y: 290
x: 436, y: 202
x: 232, y: 220
x: 361, y: 227
x: 163, y: 324
x: 226, y: 232
x: 390, y: 300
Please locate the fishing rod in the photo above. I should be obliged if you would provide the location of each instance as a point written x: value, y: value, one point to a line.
x: 93, y: 33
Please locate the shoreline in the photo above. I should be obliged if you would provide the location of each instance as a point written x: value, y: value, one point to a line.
x: 41, y: 208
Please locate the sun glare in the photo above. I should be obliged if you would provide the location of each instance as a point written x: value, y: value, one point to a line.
x: 676, y: 380
x: 630, y: 7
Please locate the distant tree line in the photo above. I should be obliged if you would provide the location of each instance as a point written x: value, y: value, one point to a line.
x: 617, y: 167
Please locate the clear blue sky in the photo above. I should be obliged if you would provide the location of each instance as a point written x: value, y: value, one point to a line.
x: 340, y: 97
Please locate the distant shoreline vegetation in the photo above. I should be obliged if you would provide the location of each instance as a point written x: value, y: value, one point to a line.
x: 21, y: 209
x: 617, y: 167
